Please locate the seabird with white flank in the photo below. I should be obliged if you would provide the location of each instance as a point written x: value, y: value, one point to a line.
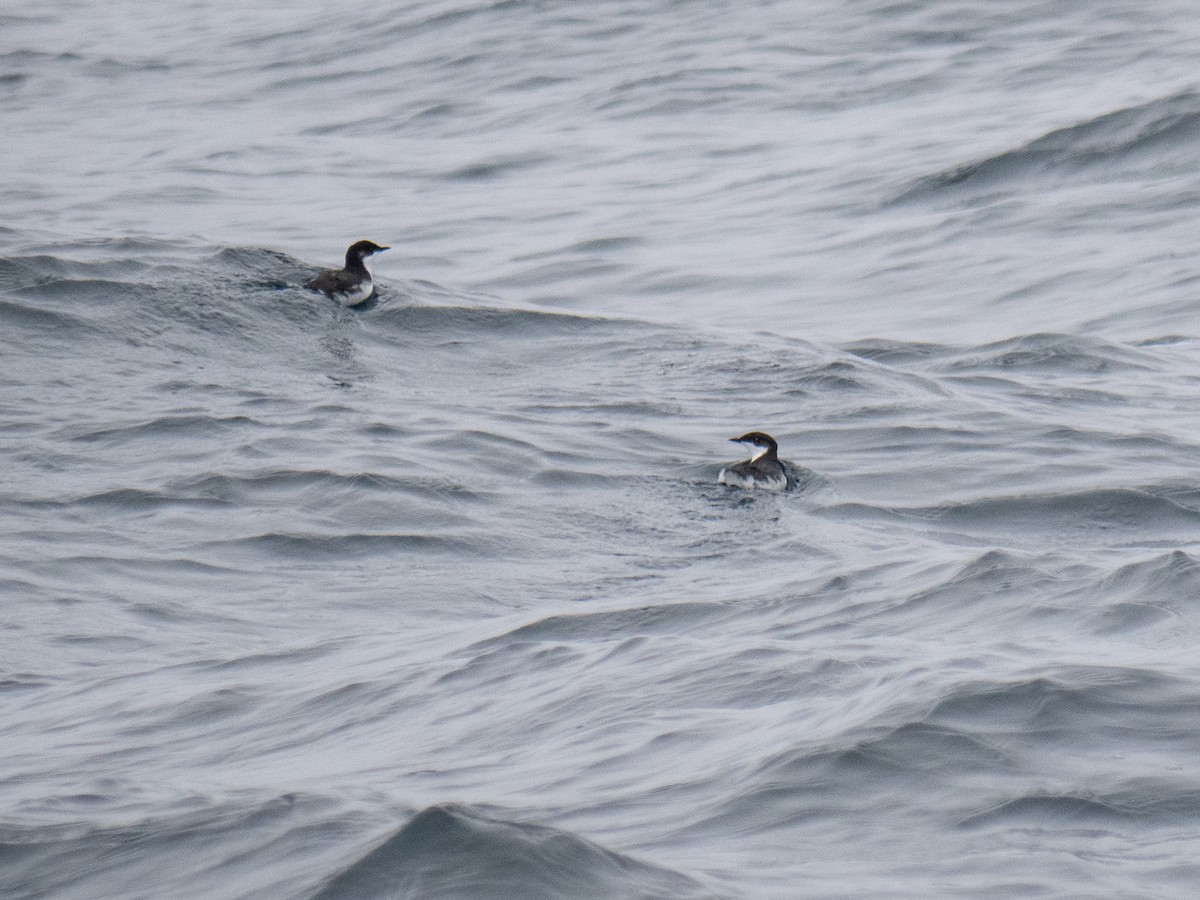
x: 762, y: 471
x: 352, y: 285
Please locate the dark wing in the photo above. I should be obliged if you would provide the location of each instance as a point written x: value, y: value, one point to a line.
x: 769, y: 469
x: 330, y: 283
x: 745, y: 469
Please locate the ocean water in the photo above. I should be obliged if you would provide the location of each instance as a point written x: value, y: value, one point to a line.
x: 438, y: 597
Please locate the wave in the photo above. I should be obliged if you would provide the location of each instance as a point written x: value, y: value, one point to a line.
x: 131, y: 499
x: 236, y: 488
x: 1159, y: 802
x: 1054, y: 704
x: 1039, y: 352
x: 447, y: 852
x: 989, y: 736
x: 103, y: 66
x: 1096, y: 511
x: 1052, y: 353
x: 499, y: 322
x: 104, y: 844
x: 610, y: 625
x: 234, y: 300
x: 307, y: 546
x: 1141, y: 595
x: 175, y: 303
x: 32, y: 319
x: 233, y: 490
x: 1165, y: 132
x: 1173, y: 575
x: 198, y: 426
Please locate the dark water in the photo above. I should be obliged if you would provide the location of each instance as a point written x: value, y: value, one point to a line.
x: 438, y: 597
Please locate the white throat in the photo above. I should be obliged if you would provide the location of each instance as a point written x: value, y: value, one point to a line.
x: 758, y: 452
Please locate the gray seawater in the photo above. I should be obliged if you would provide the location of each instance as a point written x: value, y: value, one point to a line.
x: 438, y: 598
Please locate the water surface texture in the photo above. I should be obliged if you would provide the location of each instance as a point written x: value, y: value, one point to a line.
x: 438, y: 597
